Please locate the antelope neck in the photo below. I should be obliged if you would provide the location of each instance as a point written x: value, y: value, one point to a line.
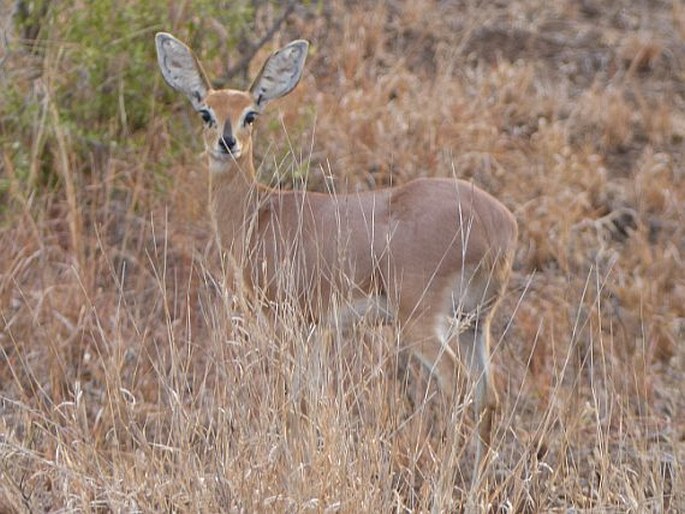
x: 234, y: 198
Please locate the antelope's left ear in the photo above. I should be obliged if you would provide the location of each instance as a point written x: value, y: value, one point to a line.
x: 280, y: 74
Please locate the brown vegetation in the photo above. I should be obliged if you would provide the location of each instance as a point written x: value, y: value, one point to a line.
x: 133, y: 379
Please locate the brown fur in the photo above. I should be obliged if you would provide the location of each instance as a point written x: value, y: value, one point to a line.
x: 430, y: 251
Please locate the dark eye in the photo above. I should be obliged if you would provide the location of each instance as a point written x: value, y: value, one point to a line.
x: 250, y: 117
x: 206, y: 116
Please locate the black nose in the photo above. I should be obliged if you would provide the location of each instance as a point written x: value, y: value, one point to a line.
x: 227, y: 144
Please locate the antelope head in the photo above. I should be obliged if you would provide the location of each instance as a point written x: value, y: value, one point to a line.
x: 229, y: 114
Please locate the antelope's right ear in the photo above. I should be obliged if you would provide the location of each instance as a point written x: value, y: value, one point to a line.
x: 181, y: 69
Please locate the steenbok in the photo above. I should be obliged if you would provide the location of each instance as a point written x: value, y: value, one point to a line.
x: 430, y: 255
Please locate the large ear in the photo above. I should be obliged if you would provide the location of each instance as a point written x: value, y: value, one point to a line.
x: 181, y: 69
x: 281, y: 72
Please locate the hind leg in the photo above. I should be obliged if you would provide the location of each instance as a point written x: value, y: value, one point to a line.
x: 430, y: 347
x: 474, y: 350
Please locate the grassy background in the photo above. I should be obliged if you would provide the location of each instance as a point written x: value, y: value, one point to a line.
x: 132, y: 378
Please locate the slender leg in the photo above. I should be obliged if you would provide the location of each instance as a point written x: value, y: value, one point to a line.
x: 474, y: 346
x: 435, y: 355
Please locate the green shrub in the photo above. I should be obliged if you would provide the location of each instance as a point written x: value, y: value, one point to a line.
x: 96, y: 65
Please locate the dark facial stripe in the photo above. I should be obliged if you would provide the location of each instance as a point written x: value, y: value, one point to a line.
x: 228, y: 131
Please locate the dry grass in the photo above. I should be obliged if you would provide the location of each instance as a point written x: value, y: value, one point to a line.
x: 134, y: 379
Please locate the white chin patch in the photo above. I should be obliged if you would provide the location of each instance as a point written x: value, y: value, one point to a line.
x: 225, y: 157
